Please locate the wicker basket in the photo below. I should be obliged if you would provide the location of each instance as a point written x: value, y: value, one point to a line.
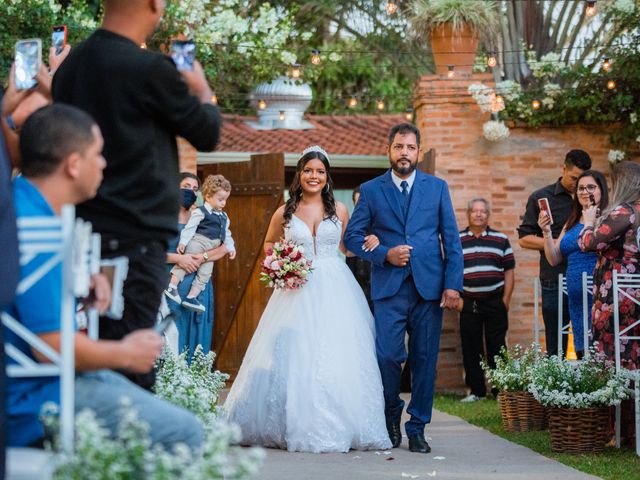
x: 578, y: 430
x: 521, y: 412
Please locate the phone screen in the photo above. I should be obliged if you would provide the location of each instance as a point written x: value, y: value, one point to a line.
x: 183, y: 53
x: 59, y: 38
x: 27, y: 60
x: 543, y: 203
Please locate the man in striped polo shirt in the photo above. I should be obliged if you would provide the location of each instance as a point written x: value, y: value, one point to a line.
x: 488, y: 285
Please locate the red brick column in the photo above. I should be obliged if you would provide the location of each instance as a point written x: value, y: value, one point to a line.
x: 505, y: 173
x: 187, y: 154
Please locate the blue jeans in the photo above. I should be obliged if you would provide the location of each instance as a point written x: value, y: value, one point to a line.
x: 550, y: 317
x: 102, y: 391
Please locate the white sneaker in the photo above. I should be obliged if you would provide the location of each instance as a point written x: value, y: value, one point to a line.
x: 172, y: 293
x: 471, y: 398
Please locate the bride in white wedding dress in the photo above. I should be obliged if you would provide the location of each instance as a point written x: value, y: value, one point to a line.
x: 309, y: 381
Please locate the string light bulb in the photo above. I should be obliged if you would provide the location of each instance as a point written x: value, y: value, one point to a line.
x: 606, y: 65
x: 296, y: 71
x: 408, y: 114
x: 611, y: 84
x: 392, y: 7
x: 315, y: 57
x: 262, y: 104
x: 353, y: 102
x: 214, y: 99
x: 590, y: 10
x: 281, y: 116
x: 492, y: 61
x: 143, y: 45
x: 535, y: 104
x: 380, y: 105
x: 451, y: 71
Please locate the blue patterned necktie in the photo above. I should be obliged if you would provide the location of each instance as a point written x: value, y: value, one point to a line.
x: 405, y: 196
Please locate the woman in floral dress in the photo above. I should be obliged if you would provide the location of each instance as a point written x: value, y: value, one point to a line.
x: 615, y: 237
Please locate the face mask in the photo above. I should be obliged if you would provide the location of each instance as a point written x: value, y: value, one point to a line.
x: 188, y: 197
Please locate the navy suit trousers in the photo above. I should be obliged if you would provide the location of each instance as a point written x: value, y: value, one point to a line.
x: 407, y: 312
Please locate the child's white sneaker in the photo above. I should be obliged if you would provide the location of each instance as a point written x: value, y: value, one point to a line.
x: 192, y: 303
x: 172, y: 294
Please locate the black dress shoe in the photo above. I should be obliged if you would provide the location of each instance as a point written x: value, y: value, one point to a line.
x: 418, y: 444
x: 394, y: 434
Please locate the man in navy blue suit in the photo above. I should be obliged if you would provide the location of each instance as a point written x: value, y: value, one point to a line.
x: 417, y: 270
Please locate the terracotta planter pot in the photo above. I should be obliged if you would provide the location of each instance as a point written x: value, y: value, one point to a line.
x: 453, y: 48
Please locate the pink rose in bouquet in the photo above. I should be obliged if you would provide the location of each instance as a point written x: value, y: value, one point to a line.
x: 285, y: 266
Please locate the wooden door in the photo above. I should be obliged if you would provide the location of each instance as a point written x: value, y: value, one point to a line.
x: 239, y: 298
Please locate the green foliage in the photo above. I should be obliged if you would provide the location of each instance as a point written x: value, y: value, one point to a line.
x: 481, y: 15
x: 514, y: 368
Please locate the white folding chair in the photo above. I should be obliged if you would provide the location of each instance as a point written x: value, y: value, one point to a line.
x: 536, y: 310
x: 587, y: 290
x: 562, y: 329
x: 622, y: 282
x: 57, y: 241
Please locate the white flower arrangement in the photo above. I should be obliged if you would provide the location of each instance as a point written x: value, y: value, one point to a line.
x: 622, y: 6
x: 548, y: 102
x: 509, y: 89
x: 552, y: 90
x: 194, y: 386
x: 548, y: 66
x: 633, y: 117
x: 130, y: 454
x: 484, y: 96
x: 592, y: 382
x: 514, y: 368
x: 615, y: 156
x: 494, y: 131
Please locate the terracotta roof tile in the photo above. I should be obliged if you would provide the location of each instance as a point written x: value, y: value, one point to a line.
x: 337, y: 134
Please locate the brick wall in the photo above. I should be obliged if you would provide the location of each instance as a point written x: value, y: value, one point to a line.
x: 505, y: 173
x: 187, y: 154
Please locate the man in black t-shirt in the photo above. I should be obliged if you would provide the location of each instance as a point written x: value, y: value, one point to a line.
x: 560, y: 195
x: 141, y: 102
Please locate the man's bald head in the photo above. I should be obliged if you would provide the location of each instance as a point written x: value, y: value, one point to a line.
x: 134, y: 19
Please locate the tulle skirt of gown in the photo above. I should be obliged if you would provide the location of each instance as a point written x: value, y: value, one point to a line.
x: 310, y: 381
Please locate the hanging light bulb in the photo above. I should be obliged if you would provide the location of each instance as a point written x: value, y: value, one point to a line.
x: 281, y: 116
x: 214, y: 99
x: 606, y: 64
x: 451, y: 72
x: 380, y: 105
x: 535, y: 104
x: 143, y: 45
x: 611, y: 84
x: 408, y: 114
x: 262, y: 104
x: 392, y: 7
x: 353, y: 102
x: 590, y: 10
x: 315, y: 57
x: 492, y: 61
x: 296, y: 71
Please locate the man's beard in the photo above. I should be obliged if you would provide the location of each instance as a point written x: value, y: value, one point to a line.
x: 403, y: 170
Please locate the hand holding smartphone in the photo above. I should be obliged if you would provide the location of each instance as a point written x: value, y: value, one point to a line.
x: 59, y: 38
x: 543, y: 204
x: 183, y: 53
x: 27, y: 60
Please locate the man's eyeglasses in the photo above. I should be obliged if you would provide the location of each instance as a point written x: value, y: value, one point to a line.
x: 587, y: 188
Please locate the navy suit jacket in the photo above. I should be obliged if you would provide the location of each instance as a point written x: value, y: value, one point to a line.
x: 430, y: 228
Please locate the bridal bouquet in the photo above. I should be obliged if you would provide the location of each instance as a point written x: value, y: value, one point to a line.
x: 285, y: 266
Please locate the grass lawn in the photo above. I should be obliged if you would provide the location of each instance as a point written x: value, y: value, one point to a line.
x: 612, y: 464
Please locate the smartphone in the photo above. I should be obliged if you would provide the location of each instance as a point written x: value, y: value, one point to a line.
x: 543, y: 203
x: 183, y: 53
x: 164, y: 324
x: 59, y: 38
x: 27, y: 60
x: 592, y: 199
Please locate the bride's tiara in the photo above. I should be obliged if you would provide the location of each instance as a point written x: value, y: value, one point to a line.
x: 315, y: 148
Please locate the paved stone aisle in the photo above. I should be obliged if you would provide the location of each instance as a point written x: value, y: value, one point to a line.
x: 460, y: 451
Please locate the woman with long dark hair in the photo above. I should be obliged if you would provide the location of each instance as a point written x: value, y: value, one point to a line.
x: 591, y: 190
x: 310, y: 380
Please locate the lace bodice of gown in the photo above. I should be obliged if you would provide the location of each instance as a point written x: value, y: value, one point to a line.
x: 326, y: 242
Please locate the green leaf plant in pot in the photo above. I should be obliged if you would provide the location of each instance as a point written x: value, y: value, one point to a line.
x: 454, y: 28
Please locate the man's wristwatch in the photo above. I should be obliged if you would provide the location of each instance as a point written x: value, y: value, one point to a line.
x: 205, y: 255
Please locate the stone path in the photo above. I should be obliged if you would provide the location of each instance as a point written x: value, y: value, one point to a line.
x: 460, y: 451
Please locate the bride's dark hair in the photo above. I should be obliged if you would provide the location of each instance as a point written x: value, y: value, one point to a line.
x: 295, y: 190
